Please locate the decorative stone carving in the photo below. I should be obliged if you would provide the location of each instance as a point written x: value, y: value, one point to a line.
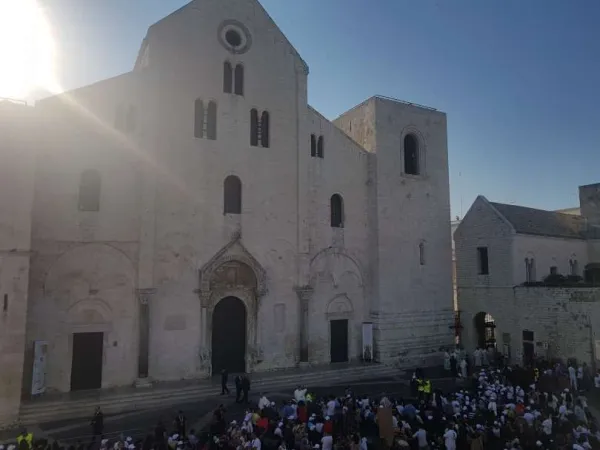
x: 304, y: 294
x: 233, y: 267
x: 144, y: 295
x: 257, y: 354
x: 340, y: 306
x: 205, y: 357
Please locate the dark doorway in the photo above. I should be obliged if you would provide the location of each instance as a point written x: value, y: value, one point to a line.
x: 229, y: 336
x: 339, y: 341
x: 485, y: 327
x: 528, y: 347
x: 86, y: 368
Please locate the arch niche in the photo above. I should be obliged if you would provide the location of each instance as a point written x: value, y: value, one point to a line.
x: 231, y: 285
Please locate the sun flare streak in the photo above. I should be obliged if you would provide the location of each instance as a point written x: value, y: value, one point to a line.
x: 27, y: 50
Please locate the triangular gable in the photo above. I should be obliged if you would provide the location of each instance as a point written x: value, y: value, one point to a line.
x: 480, y: 202
x: 234, y: 250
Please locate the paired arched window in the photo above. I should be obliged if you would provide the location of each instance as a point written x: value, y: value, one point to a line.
x: 205, y: 120
x: 530, y: 269
x: 317, y: 146
x: 90, y: 185
x: 259, y: 128
x: 232, y: 193
x: 411, y: 155
x: 337, y: 211
x: 233, y: 79
x: 573, y: 266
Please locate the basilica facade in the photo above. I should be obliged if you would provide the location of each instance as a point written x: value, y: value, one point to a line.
x: 196, y: 214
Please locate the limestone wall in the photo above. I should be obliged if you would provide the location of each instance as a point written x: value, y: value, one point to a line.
x: 566, y: 319
x: 17, y: 153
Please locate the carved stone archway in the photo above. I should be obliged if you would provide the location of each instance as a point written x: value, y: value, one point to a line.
x: 232, y: 272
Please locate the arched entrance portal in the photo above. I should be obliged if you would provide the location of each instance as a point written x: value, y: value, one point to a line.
x: 485, y: 329
x: 229, y: 336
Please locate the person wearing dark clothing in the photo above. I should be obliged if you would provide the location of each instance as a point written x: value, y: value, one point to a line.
x: 238, y: 388
x: 224, y: 377
x: 180, y: 424
x: 245, y: 388
x: 97, y: 423
x: 159, y: 433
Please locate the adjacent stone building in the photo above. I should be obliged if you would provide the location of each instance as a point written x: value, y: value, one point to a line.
x: 197, y: 214
x: 504, y: 253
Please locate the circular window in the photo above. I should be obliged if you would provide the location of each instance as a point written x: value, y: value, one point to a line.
x: 233, y: 38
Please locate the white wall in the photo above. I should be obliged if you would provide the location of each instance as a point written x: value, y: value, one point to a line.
x: 547, y: 252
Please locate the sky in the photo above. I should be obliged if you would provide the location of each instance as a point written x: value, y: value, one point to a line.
x: 518, y: 79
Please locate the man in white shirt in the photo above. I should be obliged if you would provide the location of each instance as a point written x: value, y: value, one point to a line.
x: 573, y: 377
x: 256, y: 444
x: 547, y: 426
x: 263, y: 402
x: 300, y: 394
x: 330, y: 408
x: 327, y: 442
x: 421, y: 437
x: 450, y: 439
x: 597, y: 380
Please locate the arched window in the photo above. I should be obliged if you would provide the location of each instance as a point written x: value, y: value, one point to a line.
x: 337, y: 211
x: 320, y: 147
x: 239, y: 79
x: 574, y: 266
x: 422, y: 253
x: 254, y: 128
x: 211, y: 121
x: 90, y: 185
x: 411, y: 155
x: 264, y: 129
x: 313, y: 145
x: 232, y: 191
x: 227, y: 77
x: 130, y: 119
x: 198, y: 118
x: 530, y: 269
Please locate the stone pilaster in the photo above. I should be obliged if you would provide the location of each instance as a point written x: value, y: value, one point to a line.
x: 144, y: 296
x: 304, y: 295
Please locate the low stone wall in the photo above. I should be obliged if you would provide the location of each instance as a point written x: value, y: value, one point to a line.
x: 565, y: 321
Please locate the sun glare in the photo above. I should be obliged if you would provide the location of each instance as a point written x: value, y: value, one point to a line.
x: 26, y: 50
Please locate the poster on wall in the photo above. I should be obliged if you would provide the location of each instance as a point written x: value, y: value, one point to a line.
x: 40, y: 353
x: 367, y: 341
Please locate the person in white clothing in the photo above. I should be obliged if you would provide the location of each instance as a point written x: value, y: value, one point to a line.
x: 450, y: 439
x: 263, y: 402
x: 421, y: 437
x: 572, y: 377
x: 327, y: 442
x: 300, y: 394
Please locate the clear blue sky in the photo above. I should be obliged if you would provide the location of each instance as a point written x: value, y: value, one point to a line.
x: 519, y: 79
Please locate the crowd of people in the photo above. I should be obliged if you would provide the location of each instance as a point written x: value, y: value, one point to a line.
x: 495, y: 407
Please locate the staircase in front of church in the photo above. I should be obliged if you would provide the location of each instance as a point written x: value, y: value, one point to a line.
x: 63, y: 407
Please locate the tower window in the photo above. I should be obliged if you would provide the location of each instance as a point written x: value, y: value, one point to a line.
x: 337, y: 211
x: 411, y: 155
x: 89, y: 191
x: 254, y: 128
x: 232, y: 191
x: 422, y: 253
x: 313, y: 145
x: 264, y: 129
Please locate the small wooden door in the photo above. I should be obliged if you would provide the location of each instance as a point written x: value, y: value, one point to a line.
x: 86, y: 368
x: 339, y: 341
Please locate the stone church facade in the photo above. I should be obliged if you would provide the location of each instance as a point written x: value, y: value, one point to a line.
x: 196, y: 213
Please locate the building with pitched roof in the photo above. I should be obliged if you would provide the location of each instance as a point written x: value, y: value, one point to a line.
x: 526, y: 278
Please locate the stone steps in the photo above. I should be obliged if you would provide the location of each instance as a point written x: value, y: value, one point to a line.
x: 43, y: 411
